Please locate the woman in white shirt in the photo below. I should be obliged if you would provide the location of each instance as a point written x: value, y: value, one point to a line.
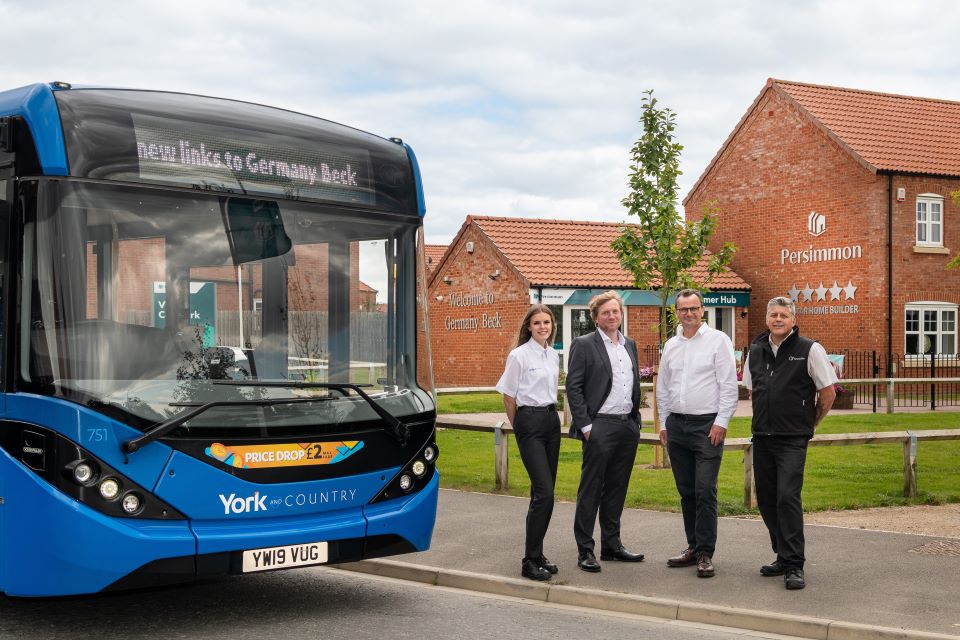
x: 529, y: 388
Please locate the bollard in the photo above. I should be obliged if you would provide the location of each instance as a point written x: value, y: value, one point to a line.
x: 749, y: 484
x: 657, y: 449
x: 501, y: 470
x: 661, y: 457
x: 910, y: 466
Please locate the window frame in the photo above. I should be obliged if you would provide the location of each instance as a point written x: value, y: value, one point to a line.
x: 939, y: 307
x: 928, y: 224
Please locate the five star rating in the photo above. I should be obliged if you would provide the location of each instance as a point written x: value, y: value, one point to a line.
x: 824, y: 294
x: 807, y: 293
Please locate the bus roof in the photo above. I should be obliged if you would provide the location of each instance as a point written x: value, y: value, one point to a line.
x: 36, y: 105
x: 213, y: 143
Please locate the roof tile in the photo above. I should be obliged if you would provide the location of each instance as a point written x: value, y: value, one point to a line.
x: 567, y: 253
x: 433, y: 254
x: 890, y: 132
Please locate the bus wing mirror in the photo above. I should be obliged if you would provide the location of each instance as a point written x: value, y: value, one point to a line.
x: 254, y: 229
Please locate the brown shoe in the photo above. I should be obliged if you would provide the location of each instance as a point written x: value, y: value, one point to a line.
x: 704, y: 566
x: 686, y: 559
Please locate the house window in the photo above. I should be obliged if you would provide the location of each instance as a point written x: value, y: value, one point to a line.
x: 931, y: 327
x: 929, y: 220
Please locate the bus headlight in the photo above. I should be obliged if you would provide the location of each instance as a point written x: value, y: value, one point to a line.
x: 406, y: 482
x: 419, y: 468
x: 110, y: 488
x: 84, y: 472
x: 131, y: 503
x: 430, y: 453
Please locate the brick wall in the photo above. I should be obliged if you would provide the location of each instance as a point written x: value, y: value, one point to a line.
x: 463, y: 355
x: 779, y: 168
x: 642, y: 325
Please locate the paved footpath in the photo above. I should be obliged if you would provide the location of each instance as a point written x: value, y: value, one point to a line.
x: 858, y: 582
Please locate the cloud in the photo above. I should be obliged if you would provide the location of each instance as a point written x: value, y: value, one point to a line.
x: 521, y: 109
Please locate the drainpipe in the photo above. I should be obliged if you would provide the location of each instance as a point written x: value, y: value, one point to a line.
x: 889, y: 275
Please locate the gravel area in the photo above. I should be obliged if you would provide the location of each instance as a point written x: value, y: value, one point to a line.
x: 940, y: 520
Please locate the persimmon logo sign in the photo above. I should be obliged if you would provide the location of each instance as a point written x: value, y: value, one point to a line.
x: 816, y: 224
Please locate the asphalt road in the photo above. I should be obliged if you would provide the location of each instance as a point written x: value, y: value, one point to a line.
x: 323, y: 603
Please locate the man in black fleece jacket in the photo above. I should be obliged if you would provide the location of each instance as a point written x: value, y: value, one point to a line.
x: 791, y: 381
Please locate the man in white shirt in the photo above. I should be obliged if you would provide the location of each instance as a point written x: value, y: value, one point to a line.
x: 696, y: 397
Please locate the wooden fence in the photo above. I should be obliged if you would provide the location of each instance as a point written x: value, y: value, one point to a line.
x: 907, y: 439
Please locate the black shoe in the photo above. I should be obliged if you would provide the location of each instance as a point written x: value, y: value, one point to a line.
x: 793, y: 579
x: 588, y: 562
x: 620, y: 554
x: 549, y: 566
x: 705, y: 566
x: 530, y: 569
x: 687, y: 558
x: 773, y: 569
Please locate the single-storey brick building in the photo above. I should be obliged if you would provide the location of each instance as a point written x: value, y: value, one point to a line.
x: 496, y: 267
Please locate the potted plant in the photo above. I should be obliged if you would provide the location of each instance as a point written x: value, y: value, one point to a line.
x: 743, y: 392
x: 646, y: 375
x: 844, y: 398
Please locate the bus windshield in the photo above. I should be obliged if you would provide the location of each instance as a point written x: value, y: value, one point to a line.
x: 146, y: 302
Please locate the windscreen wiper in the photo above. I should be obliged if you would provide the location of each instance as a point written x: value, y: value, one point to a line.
x: 161, y: 429
x: 397, y: 429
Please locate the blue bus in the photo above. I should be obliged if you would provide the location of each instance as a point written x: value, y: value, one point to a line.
x: 209, y: 326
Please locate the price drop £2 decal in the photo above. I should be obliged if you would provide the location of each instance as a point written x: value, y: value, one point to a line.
x: 266, y: 456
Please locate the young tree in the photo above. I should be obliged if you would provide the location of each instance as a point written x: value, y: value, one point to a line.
x: 660, y: 248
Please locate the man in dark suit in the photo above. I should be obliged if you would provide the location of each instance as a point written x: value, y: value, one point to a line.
x: 603, y: 392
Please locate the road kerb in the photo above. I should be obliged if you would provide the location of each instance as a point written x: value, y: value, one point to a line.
x: 610, y: 601
x: 394, y: 569
x: 493, y: 584
x: 852, y: 631
x: 783, y: 624
x: 747, y: 619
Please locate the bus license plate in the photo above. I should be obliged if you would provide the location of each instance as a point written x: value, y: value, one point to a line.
x: 294, y: 555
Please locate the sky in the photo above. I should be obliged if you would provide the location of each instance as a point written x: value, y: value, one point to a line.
x: 520, y: 109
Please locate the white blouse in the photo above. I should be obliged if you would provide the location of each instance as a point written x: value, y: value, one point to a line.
x: 531, y: 375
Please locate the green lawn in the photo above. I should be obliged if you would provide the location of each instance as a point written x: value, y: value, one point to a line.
x: 469, y: 403
x: 836, y: 477
x: 475, y: 402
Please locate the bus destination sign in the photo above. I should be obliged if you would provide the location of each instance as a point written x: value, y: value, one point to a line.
x: 235, y: 160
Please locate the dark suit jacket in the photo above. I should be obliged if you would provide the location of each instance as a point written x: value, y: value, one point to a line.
x: 589, y: 378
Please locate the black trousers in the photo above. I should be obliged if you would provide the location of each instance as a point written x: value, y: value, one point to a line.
x: 696, y: 465
x: 778, y: 464
x: 608, y: 458
x: 538, y: 439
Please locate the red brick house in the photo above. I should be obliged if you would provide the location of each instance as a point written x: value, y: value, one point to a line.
x: 841, y: 198
x: 496, y: 267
